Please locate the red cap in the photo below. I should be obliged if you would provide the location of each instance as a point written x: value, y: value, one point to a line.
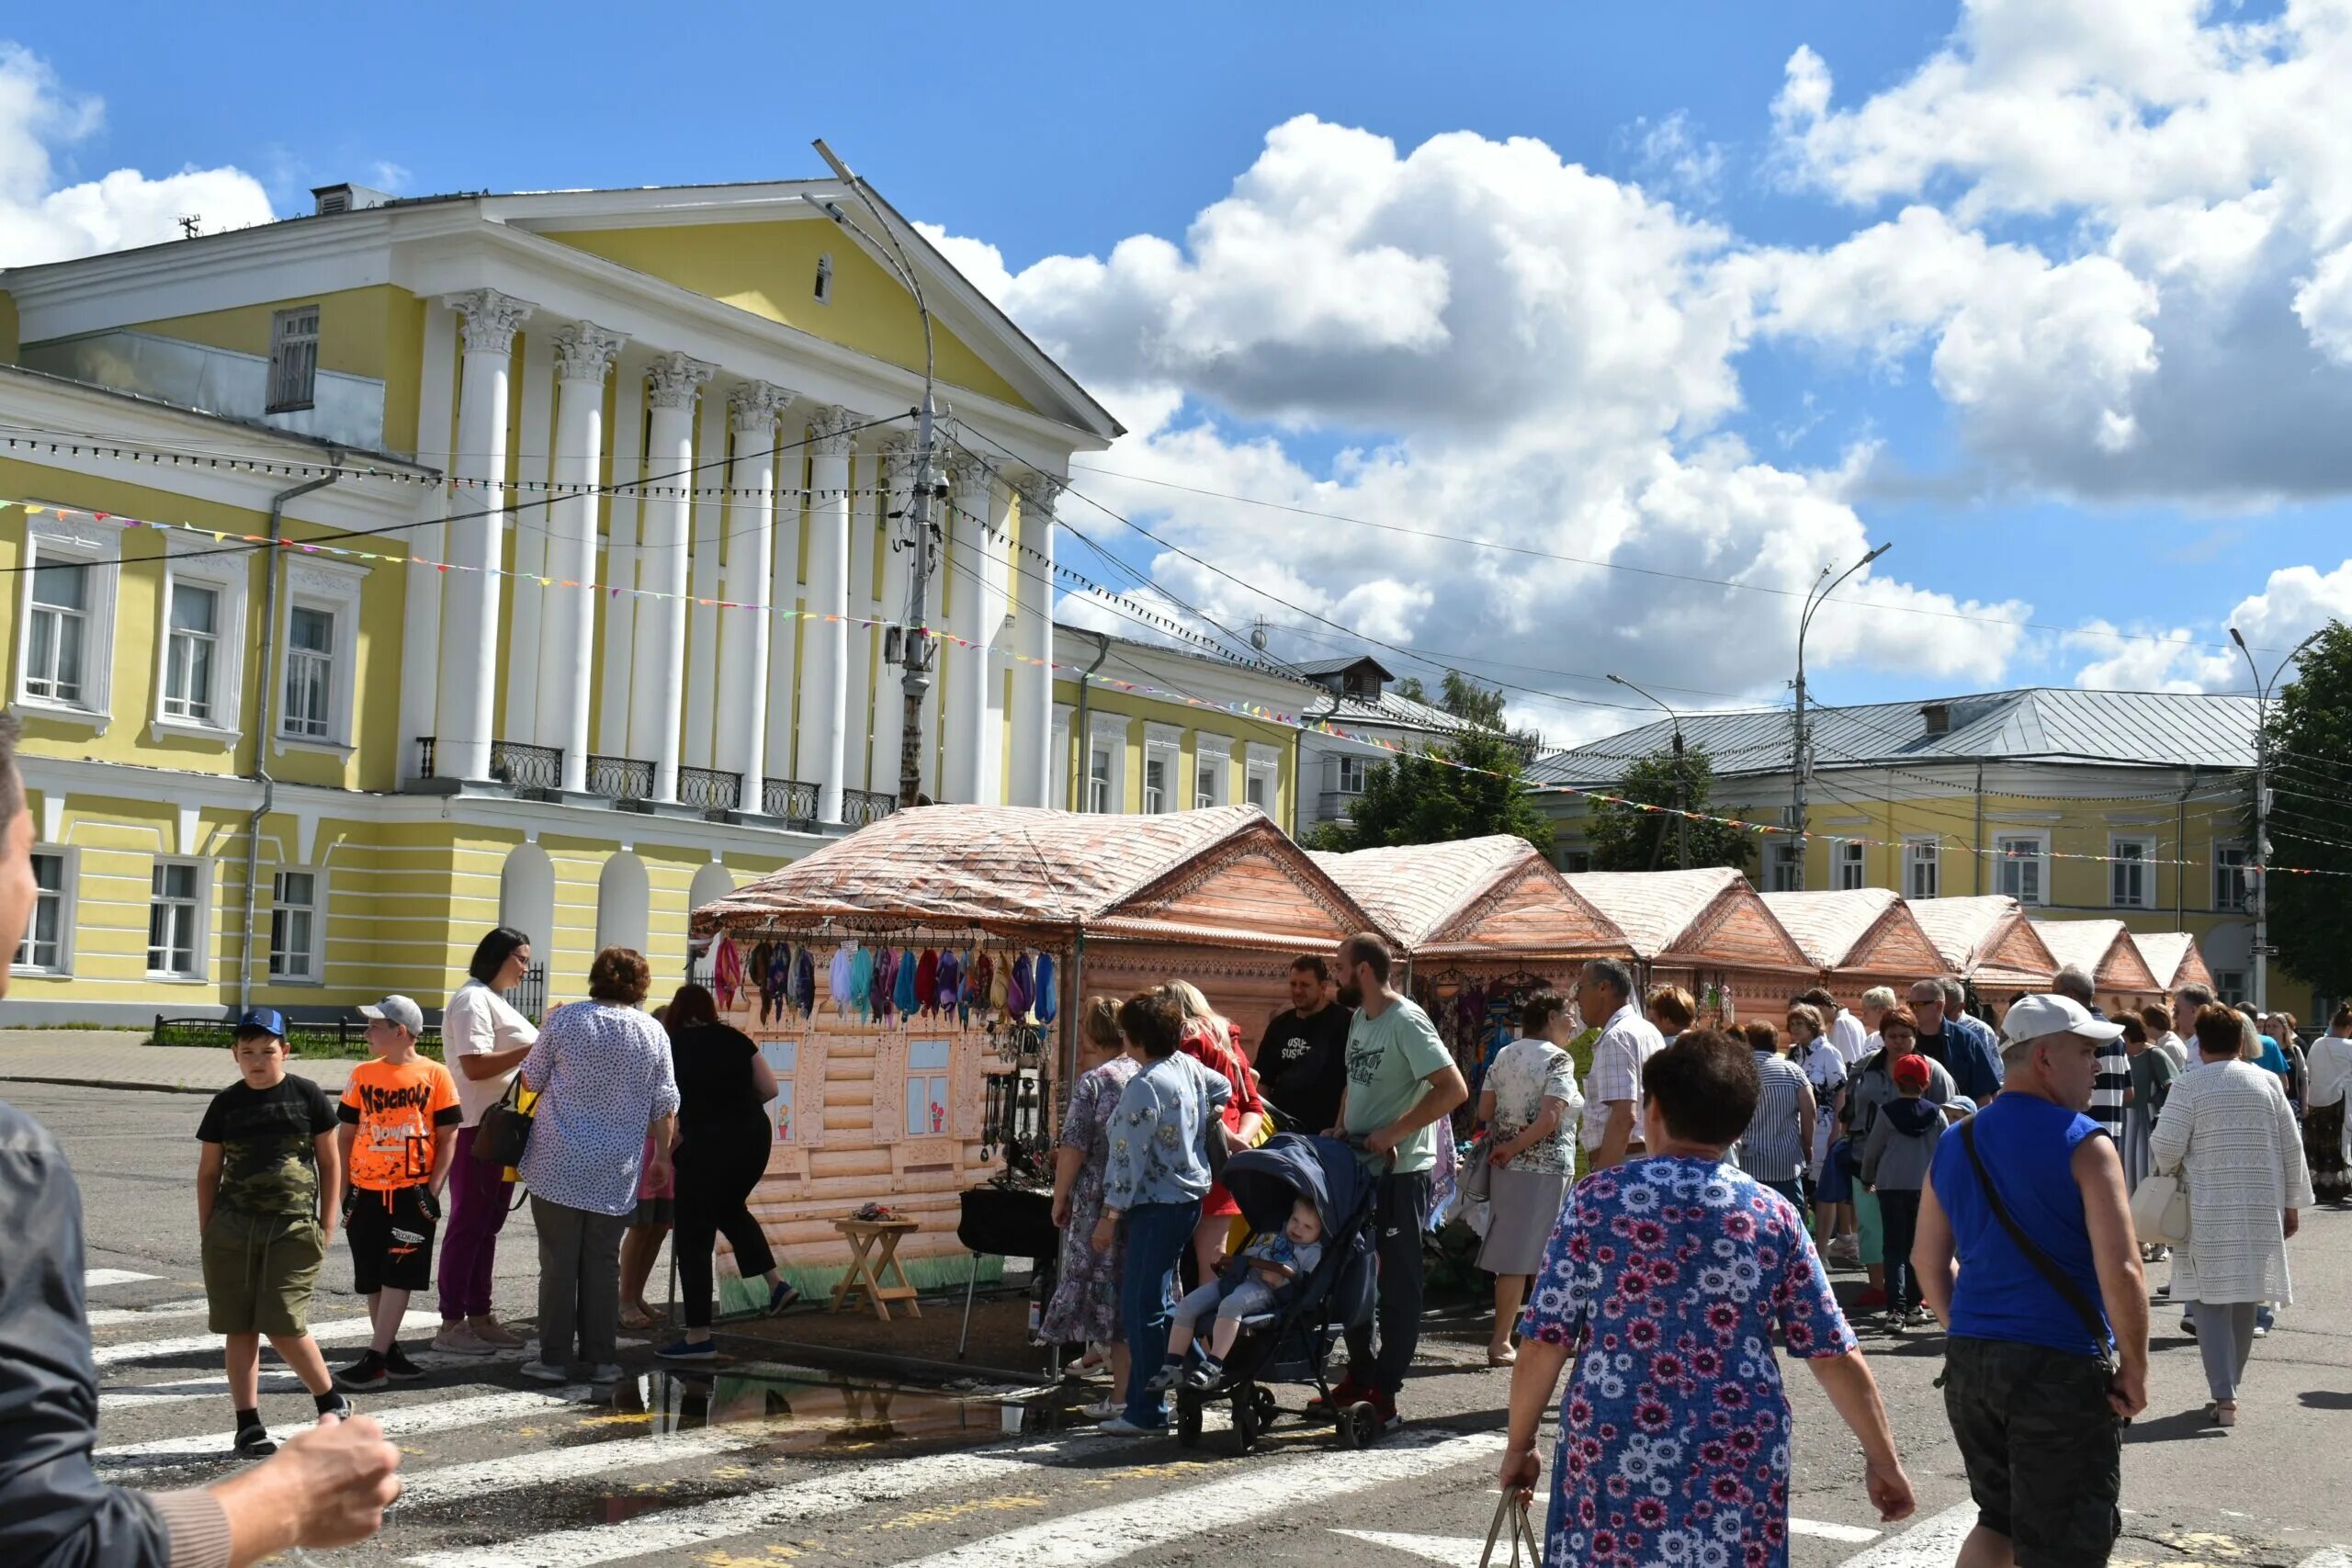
x: 1913, y: 1072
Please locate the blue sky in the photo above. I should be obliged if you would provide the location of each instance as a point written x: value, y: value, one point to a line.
x: 1917, y: 305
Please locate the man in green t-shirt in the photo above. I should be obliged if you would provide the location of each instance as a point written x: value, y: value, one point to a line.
x: 1402, y: 1084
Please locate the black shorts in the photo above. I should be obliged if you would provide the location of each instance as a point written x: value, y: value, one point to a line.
x: 2043, y: 1448
x: 392, y: 1238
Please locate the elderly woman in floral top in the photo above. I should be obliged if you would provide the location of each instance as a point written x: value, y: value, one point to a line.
x: 1665, y: 1282
x: 1085, y: 1304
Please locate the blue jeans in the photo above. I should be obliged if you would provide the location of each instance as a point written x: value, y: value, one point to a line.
x: 1154, y: 1235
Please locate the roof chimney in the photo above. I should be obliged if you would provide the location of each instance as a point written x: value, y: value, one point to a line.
x: 1938, y: 717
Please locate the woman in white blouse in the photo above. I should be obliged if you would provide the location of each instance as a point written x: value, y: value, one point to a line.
x: 2228, y: 1129
x: 1528, y: 1102
x: 2324, y: 1143
x: 484, y: 1040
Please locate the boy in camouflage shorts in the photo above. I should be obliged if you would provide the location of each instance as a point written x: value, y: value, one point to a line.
x: 268, y: 1188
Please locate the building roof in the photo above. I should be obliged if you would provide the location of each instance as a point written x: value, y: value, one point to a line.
x: 1705, y: 918
x: 1225, y: 876
x: 2047, y: 723
x: 1490, y: 896
x: 1320, y: 668
x: 1860, y: 930
x: 1986, y: 939
x: 2173, y: 958
x: 2102, y: 949
x: 1314, y: 700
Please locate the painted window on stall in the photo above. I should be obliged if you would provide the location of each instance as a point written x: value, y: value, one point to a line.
x: 784, y: 1060
x: 927, y: 1078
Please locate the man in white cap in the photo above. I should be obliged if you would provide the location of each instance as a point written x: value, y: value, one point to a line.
x: 2025, y: 1251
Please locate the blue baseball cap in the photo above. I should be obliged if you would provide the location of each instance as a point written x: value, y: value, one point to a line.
x: 262, y: 1020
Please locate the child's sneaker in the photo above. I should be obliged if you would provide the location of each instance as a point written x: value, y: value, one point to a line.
x: 1169, y: 1374
x: 338, y: 1406
x: 366, y: 1373
x: 396, y: 1363
x: 1205, y: 1375
x: 255, y: 1442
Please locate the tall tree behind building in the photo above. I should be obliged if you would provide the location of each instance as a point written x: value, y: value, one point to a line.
x: 2310, y: 737
x: 1626, y: 838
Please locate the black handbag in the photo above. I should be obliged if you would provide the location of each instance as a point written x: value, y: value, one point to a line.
x: 504, y: 1130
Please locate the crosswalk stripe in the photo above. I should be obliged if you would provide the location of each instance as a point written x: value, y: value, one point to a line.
x: 398, y: 1421
x: 333, y: 1330
x: 124, y: 1398
x: 92, y: 1278
x: 1453, y: 1551
x: 850, y: 1486
x: 1107, y: 1534
x: 481, y: 1477
x: 1823, y: 1529
x: 1933, y: 1542
x: 2328, y: 1557
x: 115, y: 1318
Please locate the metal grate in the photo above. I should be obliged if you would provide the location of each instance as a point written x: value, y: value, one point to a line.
x: 709, y: 791
x: 530, y: 996
x: 620, y: 778
x: 522, y: 767
x: 788, y: 798
x: 862, y: 808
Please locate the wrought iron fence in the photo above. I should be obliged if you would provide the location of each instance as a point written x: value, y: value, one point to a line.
x: 788, y: 798
x: 620, y: 778
x: 529, y: 995
x: 862, y: 808
x: 708, y: 791
x: 524, y: 767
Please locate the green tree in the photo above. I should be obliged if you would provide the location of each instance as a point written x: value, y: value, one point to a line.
x: 1626, y: 838
x: 2310, y: 739
x: 1468, y: 788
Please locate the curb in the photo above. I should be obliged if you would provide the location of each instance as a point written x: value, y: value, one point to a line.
x: 106, y: 1083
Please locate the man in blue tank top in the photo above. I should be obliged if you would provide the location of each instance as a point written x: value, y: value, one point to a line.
x: 2038, y: 1279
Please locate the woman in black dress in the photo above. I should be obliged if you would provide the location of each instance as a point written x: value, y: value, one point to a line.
x: 724, y: 1086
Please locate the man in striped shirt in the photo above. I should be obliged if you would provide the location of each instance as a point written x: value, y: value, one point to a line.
x: 1773, y: 1149
x: 2114, y: 1078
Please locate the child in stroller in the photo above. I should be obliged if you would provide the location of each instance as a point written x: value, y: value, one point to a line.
x: 1254, y: 1283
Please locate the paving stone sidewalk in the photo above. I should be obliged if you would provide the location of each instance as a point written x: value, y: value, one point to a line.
x: 115, y: 1059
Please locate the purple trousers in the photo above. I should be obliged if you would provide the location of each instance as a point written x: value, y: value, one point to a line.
x: 478, y: 1197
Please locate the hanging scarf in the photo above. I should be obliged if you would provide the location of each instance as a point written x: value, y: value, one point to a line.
x: 1000, y: 976
x: 837, y: 981
x: 861, y: 984
x: 772, y: 988
x: 964, y: 991
x: 727, y: 972
x: 1018, y: 995
x: 927, y: 982
x: 804, y: 983
x: 948, y: 981
x: 885, y: 974
x: 903, y: 994
x: 1046, y: 1003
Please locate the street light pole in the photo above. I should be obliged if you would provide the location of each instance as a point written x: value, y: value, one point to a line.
x: 917, y: 646
x: 2262, y: 809
x: 1814, y: 598
x: 1682, y: 786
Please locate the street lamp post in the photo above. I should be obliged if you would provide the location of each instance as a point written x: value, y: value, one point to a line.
x: 1682, y: 786
x: 2262, y: 808
x: 1814, y: 598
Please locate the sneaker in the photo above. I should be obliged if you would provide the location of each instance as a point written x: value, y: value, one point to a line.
x: 341, y: 1409
x: 782, y: 1296
x: 540, y: 1371
x: 494, y: 1334
x: 1875, y: 1297
x: 459, y: 1339
x: 1845, y: 1250
x: 1120, y: 1427
x: 1169, y: 1374
x: 2261, y: 1330
x: 688, y: 1350
x: 396, y: 1363
x: 255, y: 1442
x: 1204, y: 1376
x: 606, y: 1372
x: 1892, y: 1322
x: 368, y: 1372
x: 1104, y: 1408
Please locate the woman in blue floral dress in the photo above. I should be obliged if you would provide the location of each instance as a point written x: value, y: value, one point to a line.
x: 1085, y: 1305
x: 1665, y: 1282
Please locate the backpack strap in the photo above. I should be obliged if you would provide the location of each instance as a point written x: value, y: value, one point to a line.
x: 2043, y: 1264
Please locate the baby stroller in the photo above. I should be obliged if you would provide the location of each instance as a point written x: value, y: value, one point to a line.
x: 1292, y: 1344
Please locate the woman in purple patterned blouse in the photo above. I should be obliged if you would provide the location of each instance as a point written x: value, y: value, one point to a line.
x: 1665, y: 1282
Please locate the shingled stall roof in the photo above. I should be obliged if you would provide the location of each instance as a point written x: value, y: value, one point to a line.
x: 1709, y: 918
x: 2104, y: 949
x: 1986, y: 939
x: 1864, y: 934
x: 1491, y: 898
x: 1225, y: 877
x: 2174, y: 959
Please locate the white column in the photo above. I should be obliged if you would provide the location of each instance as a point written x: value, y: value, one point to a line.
x: 1033, y: 638
x: 530, y: 524
x: 858, y: 745
x: 703, y: 488
x: 421, y: 608
x: 656, y: 698
x: 744, y: 634
x: 824, y: 635
x: 784, y: 629
x: 469, y: 598
x: 583, y: 357
x: 898, y: 470
x: 617, y: 661
x: 965, y: 707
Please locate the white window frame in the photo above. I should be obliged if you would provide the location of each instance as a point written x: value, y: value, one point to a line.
x: 1163, y: 744
x: 788, y: 1084
x: 2240, y: 894
x: 1918, y: 853
x: 293, y: 360
x: 200, y: 942
x: 2230, y: 987
x: 315, y: 954
x: 69, y: 877
x: 1785, y: 865
x: 944, y: 1075
x: 1212, y: 770
x: 226, y: 576
x: 1107, y: 735
x: 53, y: 540
x: 336, y: 589
x: 1263, y: 773
x: 1057, y: 795
x: 1343, y: 762
x: 2143, y: 871
x: 2038, y: 863
x: 1849, y: 863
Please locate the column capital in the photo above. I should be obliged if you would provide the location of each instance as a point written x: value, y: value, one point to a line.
x: 674, y: 380
x: 490, y: 319
x: 897, y: 450
x: 585, y: 351
x: 828, y: 430
x: 1040, y: 490
x: 754, y: 407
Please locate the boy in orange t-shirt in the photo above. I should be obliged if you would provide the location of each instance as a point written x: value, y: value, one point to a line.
x: 399, y: 1118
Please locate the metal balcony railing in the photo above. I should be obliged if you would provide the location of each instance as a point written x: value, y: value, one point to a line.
x: 789, y: 799
x: 711, y: 792
x: 862, y: 808
x: 620, y: 778
x: 523, y: 767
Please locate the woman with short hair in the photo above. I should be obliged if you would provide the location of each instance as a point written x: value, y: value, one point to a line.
x: 602, y: 1071
x: 1529, y: 1104
x: 483, y: 1040
x: 1667, y: 1282
x: 1672, y: 1010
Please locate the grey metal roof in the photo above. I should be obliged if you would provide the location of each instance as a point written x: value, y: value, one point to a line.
x: 1314, y: 699
x: 2048, y: 724
x: 1322, y: 667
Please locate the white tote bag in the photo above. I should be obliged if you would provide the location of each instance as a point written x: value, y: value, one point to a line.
x: 2160, y: 1209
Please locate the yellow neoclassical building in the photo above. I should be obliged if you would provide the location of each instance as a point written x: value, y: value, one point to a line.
x: 594, y: 509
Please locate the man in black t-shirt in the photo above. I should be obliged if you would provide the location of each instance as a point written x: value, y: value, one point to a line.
x: 1301, y: 1062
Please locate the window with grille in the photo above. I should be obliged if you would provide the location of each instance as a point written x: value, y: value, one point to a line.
x: 44, y: 943
x: 2130, y: 878
x: 293, y: 926
x: 309, y: 672
x: 192, y: 637
x: 2229, y: 876
x: 1851, y: 866
x: 59, y: 631
x: 293, y: 359
x: 926, y: 1088
x: 173, y: 921
x: 2024, y: 868
x: 1098, y: 779
x: 1922, y: 865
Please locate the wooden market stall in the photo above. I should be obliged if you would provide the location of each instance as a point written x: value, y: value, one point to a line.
x: 1859, y: 938
x: 2104, y: 949
x: 2174, y: 959
x: 1987, y: 941
x: 1706, y: 930
x: 905, y: 1091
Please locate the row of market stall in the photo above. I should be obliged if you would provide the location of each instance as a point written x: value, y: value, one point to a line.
x: 907, y: 1095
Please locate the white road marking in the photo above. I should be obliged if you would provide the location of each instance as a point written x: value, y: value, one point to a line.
x: 846, y: 1486
x: 333, y: 1330
x: 125, y: 1459
x: 1825, y: 1529
x: 1933, y: 1542
x: 115, y: 1318
x: 93, y: 1278
x: 2328, y: 1557
x: 1453, y: 1551
x: 482, y: 1477
x: 1108, y: 1534
x: 126, y: 1397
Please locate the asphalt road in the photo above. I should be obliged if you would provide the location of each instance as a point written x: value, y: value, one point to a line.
x: 753, y: 1462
